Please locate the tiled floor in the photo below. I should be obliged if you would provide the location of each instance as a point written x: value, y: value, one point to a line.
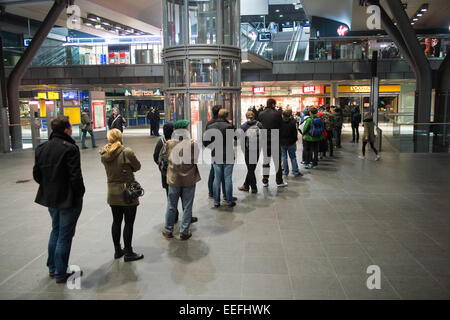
x: 311, y: 240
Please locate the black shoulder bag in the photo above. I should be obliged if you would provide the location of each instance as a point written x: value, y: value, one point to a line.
x: 133, y: 190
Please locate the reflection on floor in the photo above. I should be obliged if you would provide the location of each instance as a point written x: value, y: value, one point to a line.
x: 312, y: 240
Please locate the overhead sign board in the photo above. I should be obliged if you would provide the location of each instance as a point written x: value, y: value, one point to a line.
x: 259, y: 90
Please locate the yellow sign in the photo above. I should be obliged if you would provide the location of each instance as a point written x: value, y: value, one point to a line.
x: 366, y: 89
x: 73, y: 114
x: 42, y: 95
x: 43, y: 109
x: 53, y: 95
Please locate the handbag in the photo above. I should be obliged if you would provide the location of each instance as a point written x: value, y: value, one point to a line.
x: 132, y: 190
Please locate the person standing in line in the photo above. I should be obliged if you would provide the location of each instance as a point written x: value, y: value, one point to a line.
x: 301, y: 126
x: 251, y: 128
x: 57, y: 170
x: 182, y: 176
x: 161, y: 158
x: 271, y: 119
x: 116, y: 121
x: 215, y: 116
x: 369, y: 136
x: 223, y: 161
x: 156, y: 123
x: 288, y: 142
x: 313, y: 130
x: 86, y: 126
x: 120, y: 164
x: 323, y: 142
x: 150, y: 120
x: 355, y: 119
x: 329, y: 123
x: 339, y: 118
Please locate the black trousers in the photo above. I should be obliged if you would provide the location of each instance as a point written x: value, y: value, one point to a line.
x: 250, y: 179
x: 119, y: 213
x: 266, y: 164
x: 330, y: 141
x: 337, y: 135
x: 371, y: 145
x: 312, y: 152
x: 355, y: 132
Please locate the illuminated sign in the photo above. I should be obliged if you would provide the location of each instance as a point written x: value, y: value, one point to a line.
x: 42, y: 95
x: 259, y: 90
x: 342, y: 30
x: 53, y: 95
x: 309, y: 89
x: 366, y: 89
x: 70, y: 95
x: 264, y: 36
x: 144, y: 92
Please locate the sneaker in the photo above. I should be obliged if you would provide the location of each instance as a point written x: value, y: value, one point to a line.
x: 307, y: 166
x: 283, y: 184
x: 231, y: 205
x: 303, y: 162
x: 377, y: 157
x: 243, y: 188
x: 118, y: 253
x: 314, y: 166
x: 298, y: 175
x: 167, y: 234
x: 194, y: 219
x: 362, y: 157
x: 265, y: 184
x: 51, y: 274
x: 184, y: 236
x: 255, y: 190
x: 84, y: 147
x: 67, y: 276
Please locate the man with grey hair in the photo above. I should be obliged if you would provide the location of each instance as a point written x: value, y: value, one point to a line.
x: 116, y: 121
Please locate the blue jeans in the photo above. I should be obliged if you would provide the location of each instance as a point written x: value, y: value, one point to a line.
x: 285, y: 150
x: 83, y: 138
x: 211, y: 183
x: 187, y: 198
x: 223, y: 172
x: 64, y: 222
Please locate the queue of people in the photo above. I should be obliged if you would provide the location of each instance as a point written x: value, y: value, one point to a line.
x: 57, y: 169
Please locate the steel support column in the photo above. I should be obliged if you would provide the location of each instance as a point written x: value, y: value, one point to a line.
x: 4, y: 128
x: 20, y: 68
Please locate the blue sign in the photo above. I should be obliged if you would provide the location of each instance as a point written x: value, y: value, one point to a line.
x: 264, y: 36
x: 70, y: 95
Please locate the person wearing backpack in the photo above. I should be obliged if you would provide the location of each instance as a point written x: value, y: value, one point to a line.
x: 251, y: 128
x: 301, y: 126
x: 355, y: 119
x: 313, y: 135
x: 288, y: 142
x: 339, y: 118
x: 161, y: 158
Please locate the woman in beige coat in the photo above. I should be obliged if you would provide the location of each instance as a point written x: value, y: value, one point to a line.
x: 120, y: 164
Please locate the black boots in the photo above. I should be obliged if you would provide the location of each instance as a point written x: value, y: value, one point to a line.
x: 132, y: 256
x: 119, y: 253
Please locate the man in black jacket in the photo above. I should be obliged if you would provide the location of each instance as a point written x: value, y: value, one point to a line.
x: 222, y: 157
x: 116, y: 121
x: 271, y: 120
x: 57, y: 170
x: 355, y: 119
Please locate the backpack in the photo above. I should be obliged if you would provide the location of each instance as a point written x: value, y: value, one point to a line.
x: 316, y: 127
x: 252, y: 134
x: 163, y: 157
x: 302, y: 125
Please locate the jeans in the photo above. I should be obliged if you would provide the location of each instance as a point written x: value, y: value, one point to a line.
x: 211, y: 183
x: 187, y: 198
x: 285, y: 150
x: 64, y: 222
x: 223, y: 172
x: 312, y: 152
x: 83, y: 138
x: 355, y: 132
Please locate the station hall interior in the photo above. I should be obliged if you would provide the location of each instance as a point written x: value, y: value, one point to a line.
x: 313, y: 239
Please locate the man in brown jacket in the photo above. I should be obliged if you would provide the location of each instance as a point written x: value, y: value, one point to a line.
x: 182, y: 175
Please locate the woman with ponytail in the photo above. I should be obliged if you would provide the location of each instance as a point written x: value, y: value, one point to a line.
x: 120, y: 164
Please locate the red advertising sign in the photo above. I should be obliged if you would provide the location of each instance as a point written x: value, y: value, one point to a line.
x: 259, y: 90
x: 98, y: 114
x: 309, y: 89
x: 342, y: 30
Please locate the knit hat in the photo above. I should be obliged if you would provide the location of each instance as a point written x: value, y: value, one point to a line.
x: 181, y: 124
x: 168, y: 130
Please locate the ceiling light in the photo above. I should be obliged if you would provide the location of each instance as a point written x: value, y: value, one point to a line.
x: 278, y: 10
x: 419, y: 14
x: 106, y: 23
x: 412, y: 23
x: 88, y: 24
x: 281, y: 16
x: 415, y: 19
x: 424, y: 7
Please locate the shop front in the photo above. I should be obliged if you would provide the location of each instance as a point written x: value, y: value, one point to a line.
x: 296, y: 98
x: 134, y: 104
x: 350, y: 96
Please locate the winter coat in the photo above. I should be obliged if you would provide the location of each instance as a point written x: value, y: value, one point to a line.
x: 306, y: 129
x: 228, y: 146
x: 120, y: 167
x: 116, y: 122
x: 288, y: 132
x: 355, y: 117
x: 57, y: 170
x: 85, y: 122
x: 369, y: 129
x: 182, y: 174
